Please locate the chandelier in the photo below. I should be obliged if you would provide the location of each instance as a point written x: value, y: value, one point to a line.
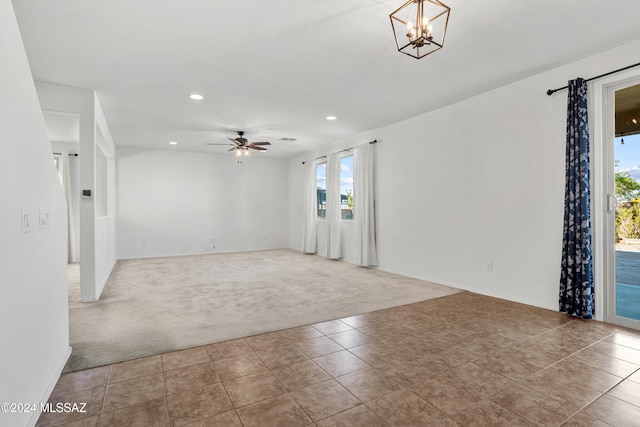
x: 419, y: 27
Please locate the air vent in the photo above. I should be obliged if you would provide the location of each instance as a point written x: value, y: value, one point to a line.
x: 287, y: 139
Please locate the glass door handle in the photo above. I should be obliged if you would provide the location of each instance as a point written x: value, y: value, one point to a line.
x: 612, y: 203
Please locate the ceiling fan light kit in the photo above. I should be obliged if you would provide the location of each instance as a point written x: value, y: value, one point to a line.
x: 241, y: 145
x: 419, y: 27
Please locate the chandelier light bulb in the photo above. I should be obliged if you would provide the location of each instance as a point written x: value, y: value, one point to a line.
x: 238, y: 152
x: 246, y: 152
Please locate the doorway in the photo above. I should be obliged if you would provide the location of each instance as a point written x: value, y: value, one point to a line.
x: 622, y: 169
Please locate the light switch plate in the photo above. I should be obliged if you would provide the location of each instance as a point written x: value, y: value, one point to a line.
x: 45, y: 219
x: 28, y: 220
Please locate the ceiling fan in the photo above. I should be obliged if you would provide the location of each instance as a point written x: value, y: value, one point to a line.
x: 242, y: 145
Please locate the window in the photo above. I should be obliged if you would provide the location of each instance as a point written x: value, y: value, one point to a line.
x: 346, y: 187
x: 57, y: 159
x: 321, y: 189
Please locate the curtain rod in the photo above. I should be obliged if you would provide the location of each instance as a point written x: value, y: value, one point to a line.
x: 552, y: 91
x: 341, y: 151
x: 71, y: 154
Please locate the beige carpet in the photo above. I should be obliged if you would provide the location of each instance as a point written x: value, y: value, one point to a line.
x: 151, y: 306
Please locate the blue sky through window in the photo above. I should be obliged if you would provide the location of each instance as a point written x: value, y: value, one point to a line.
x: 628, y: 155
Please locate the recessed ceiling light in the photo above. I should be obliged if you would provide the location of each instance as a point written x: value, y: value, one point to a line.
x: 196, y: 96
x: 331, y: 117
x: 173, y: 143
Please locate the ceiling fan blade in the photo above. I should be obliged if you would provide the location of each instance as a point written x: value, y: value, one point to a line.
x: 256, y: 148
x: 260, y: 143
x: 232, y: 149
x: 235, y: 141
x: 213, y: 143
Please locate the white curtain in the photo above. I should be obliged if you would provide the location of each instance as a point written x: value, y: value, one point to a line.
x: 333, y: 226
x: 364, y: 205
x: 72, y: 253
x: 310, y: 211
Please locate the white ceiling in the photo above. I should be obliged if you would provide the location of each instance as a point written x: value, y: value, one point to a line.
x: 277, y: 68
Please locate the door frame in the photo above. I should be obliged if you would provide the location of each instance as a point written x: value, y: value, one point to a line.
x: 602, y: 123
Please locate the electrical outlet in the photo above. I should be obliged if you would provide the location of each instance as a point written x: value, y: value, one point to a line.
x: 489, y: 266
x: 28, y: 218
x: 45, y: 219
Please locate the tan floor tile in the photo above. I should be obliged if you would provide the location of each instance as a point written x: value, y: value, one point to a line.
x: 603, y: 362
x: 533, y: 356
x: 488, y: 413
x: 451, y: 357
x: 278, y: 411
x: 135, y: 368
x: 197, y: 404
x: 318, y: 346
x: 226, y: 419
x: 368, y: 384
x: 635, y: 377
x: 93, y: 398
x: 359, y: 320
x: 134, y: 391
x: 267, y: 340
x: 301, y: 333
x: 331, y: 327
x: 340, y: 363
x: 280, y: 355
x: 350, y: 338
x: 582, y: 420
x: 85, y: 422
x: 182, y: 358
x: 300, y: 374
x: 403, y: 408
x: 627, y: 391
x: 406, y: 373
x: 618, y: 351
x: 189, y: 377
x: 239, y: 366
x: 571, y: 395
x: 613, y: 411
x: 226, y: 349
x: 584, y: 375
x: 447, y: 395
x: 360, y: 416
x: 507, y: 366
x: 480, y: 380
x: 149, y: 414
x: 324, y: 399
x: 249, y: 389
x: 533, y: 406
x: 376, y: 353
x: 82, y: 380
x: 627, y: 339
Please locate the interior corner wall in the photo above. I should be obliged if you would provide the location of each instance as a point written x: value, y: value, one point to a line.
x: 33, y: 272
x: 477, y: 182
x: 181, y: 203
x: 97, y: 234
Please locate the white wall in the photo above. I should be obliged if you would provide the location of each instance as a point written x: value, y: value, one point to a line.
x: 33, y: 278
x: 97, y: 231
x: 176, y: 203
x: 478, y: 181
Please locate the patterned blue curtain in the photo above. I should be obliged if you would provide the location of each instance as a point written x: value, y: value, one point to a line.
x: 576, y: 279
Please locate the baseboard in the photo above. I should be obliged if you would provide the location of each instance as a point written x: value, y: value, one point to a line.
x: 54, y: 380
x: 202, y: 253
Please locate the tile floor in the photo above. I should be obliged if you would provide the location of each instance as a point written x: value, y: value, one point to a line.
x: 461, y: 360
